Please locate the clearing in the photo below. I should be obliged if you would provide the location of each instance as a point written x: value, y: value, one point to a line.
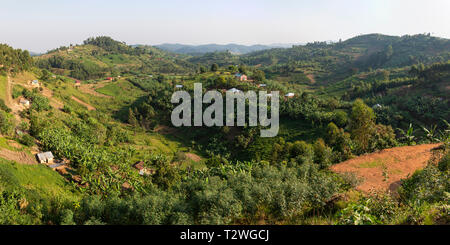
x: 90, y: 88
x: 17, y: 156
x: 384, y: 170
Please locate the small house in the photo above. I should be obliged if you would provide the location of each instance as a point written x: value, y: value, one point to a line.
x: 77, y: 83
x: 35, y: 83
x: 109, y: 78
x: 45, y: 157
x: 290, y: 95
x: 377, y: 106
x: 178, y: 86
x: 261, y: 85
x: 241, y: 77
x: 234, y: 90
x: 24, y: 102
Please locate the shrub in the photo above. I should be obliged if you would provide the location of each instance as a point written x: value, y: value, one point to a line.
x: 383, y: 137
x: 3, y: 106
x: 6, y: 123
x: 322, y: 154
x: 26, y: 140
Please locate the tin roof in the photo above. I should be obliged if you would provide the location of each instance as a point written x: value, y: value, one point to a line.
x: 43, y: 156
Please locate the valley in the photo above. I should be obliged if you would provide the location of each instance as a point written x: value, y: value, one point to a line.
x: 367, y: 114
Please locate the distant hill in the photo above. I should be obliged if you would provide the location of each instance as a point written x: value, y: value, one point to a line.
x: 362, y: 52
x: 331, y: 62
x: 210, y: 48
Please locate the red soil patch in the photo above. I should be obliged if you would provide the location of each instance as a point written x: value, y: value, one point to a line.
x: 384, y: 170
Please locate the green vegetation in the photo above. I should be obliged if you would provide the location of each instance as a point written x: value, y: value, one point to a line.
x: 354, y: 97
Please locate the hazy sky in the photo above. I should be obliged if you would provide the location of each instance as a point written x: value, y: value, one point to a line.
x: 40, y: 25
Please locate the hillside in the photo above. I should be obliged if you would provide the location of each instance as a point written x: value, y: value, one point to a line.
x: 357, y: 106
x: 332, y: 62
x: 102, y: 56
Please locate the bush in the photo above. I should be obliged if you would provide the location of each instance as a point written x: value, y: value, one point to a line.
x: 3, y: 106
x: 322, y: 154
x: 26, y: 140
x: 383, y: 137
x: 6, y: 123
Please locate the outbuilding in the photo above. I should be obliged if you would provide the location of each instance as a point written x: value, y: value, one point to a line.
x: 45, y: 157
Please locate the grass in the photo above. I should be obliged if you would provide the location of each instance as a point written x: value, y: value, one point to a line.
x: 36, y: 181
x: 372, y: 164
x: 3, y: 81
x: 4, y: 144
x: 122, y: 89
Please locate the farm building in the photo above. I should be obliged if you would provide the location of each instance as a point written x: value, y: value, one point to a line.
x: 178, y: 86
x: 109, y: 78
x: 24, y: 102
x: 45, y: 157
x: 290, y: 95
x: 377, y: 106
x: 261, y: 85
x: 77, y: 83
x: 241, y: 77
x: 35, y: 83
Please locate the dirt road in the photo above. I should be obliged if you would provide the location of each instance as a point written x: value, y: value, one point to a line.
x: 89, y: 107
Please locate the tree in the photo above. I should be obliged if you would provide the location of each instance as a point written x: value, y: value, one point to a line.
x: 6, y: 123
x: 322, y: 154
x: 232, y: 68
x: 242, y: 69
x: 214, y: 67
x: 362, y: 124
x: 132, y: 118
x: 259, y: 75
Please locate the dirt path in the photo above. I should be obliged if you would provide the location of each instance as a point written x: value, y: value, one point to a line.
x: 53, y: 102
x: 89, y: 107
x: 311, y: 78
x: 383, y: 171
x: 15, y: 107
x: 17, y: 156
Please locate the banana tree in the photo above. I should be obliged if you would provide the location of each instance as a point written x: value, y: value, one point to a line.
x: 408, y: 135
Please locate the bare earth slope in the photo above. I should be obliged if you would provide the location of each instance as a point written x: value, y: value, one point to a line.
x: 383, y: 171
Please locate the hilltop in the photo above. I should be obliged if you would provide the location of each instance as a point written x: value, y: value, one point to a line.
x: 103, y: 56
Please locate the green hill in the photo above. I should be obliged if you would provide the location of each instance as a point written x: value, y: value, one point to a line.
x: 102, y: 56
